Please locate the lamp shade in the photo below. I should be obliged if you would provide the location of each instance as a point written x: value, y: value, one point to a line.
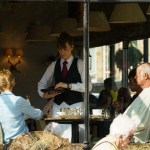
x: 148, y: 10
x: 19, y: 52
x: 127, y: 13
x: 97, y: 22
x: 9, y: 52
x: 65, y: 25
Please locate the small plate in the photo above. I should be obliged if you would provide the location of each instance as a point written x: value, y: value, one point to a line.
x: 62, y: 116
x: 61, y: 113
x: 70, y: 116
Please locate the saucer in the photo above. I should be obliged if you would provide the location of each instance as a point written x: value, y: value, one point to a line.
x: 61, y: 116
x: 97, y: 116
x: 61, y: 113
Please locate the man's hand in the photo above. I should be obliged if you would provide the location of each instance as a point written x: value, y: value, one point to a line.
x: 61, y: 85
x: 50, y: 95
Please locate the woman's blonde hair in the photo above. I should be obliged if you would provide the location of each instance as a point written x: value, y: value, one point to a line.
x: 7, y: 80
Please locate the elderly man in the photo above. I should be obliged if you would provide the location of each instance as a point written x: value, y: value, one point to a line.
x: 139, y: 110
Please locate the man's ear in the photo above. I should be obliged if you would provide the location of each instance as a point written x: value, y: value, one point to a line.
x: 146, y: 76
x: 120, y: 137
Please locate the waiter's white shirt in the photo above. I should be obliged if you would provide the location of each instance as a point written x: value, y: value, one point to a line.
x: 139, y: 111
x: 46, y: 80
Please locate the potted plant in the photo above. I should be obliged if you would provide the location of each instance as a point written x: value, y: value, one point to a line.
x: 134, y: 57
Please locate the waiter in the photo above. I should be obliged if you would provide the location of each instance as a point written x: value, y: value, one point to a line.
x: 69, y: 74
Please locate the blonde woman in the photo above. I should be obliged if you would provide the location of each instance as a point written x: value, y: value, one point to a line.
x: 13, y: 108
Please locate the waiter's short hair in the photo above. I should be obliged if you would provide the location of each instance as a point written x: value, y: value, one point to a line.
x: 63, y: 39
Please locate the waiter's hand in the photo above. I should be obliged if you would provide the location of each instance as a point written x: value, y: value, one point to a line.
x: 61, y: 85
x: 50, y: 95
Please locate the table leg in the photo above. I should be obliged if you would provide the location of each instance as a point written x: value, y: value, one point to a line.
x: 75, y: 133
x: 103, y: 128
x: 99, y: 129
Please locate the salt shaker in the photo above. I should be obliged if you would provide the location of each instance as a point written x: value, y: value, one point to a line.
x: 116, y: 113
x: 107, y: 114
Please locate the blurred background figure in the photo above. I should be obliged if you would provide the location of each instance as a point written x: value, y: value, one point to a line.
x: 123, y: 100
x: 110, y: 85
x: 120, y: 135
x: 93, y: 102
x: 105, y: 101
x: 133, y: 84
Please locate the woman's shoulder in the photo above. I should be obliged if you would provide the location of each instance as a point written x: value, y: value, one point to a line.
x: 19, y: 98
x: 105, y: 143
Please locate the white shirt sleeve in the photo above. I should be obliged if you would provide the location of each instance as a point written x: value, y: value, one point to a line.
x: 134, y: 111
x: 28, y: 110
x: 46, y: 79
x: 139, y: 112
x: 138, y: 109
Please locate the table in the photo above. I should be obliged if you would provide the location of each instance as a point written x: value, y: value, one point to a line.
x: 75, y: 124
x: 102, y: 126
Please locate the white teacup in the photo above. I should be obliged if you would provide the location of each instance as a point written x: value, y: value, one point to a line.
x: 97, y: 112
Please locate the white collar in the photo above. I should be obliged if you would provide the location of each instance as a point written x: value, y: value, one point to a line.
x: 69, y: 60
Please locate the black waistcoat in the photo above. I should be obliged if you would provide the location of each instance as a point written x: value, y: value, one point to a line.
x: 73, y: 76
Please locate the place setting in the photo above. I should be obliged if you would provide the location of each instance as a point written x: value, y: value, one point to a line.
x: 70, y: 113
x: 97, y: 113
x: 100, y: 113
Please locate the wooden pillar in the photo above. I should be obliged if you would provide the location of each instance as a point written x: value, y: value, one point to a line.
x: 86, y: 145
x: 112, y: 64
x: 125, y: 64
x: 145, y: 41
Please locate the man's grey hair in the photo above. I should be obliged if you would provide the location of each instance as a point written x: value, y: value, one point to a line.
x: 145, y: 69
x: 122, y: 125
